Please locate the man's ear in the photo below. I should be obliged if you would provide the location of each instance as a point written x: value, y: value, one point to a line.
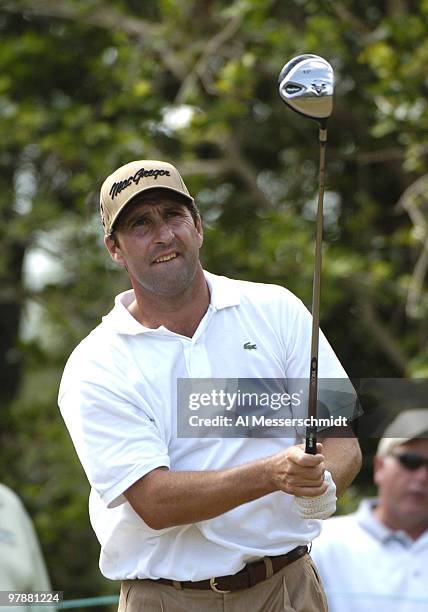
x: 113, y: 247
x: 200, y: 230
x: 378, y: 463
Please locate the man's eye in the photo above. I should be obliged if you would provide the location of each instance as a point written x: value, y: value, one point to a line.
x: 173, y: 213
x: 141, y: 221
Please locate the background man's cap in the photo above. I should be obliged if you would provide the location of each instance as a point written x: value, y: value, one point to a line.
x: 132, y: 179
x: 407, y: 426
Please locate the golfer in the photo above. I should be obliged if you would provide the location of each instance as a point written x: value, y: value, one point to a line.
x: 195, y: 523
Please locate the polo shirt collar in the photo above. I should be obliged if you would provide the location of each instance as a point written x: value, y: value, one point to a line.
x: 367, y: 519
x: 223, y: 293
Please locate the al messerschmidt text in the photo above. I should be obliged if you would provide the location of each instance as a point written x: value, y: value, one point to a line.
x: 263, y: 421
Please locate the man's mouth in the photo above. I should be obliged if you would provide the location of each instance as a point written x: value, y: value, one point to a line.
x: 164, y: 258
x: 422, y: 495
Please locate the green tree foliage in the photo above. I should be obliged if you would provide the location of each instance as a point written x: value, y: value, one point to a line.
x: 88, y: 85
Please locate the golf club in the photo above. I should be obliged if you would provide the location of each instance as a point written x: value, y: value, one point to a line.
x: 306, y: 85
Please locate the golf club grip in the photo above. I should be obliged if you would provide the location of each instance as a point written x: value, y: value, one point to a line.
x: 311, y: 430
x: 311, y: 441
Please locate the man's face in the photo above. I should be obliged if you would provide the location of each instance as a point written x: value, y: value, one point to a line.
x: 158, y: 241
x: 403, y: 494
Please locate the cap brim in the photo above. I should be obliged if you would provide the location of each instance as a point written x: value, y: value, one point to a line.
x: 145, y: 190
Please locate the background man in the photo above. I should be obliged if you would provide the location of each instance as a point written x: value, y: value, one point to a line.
x: 22, y: 567
x: 377, y: 558
x: 194, y: 523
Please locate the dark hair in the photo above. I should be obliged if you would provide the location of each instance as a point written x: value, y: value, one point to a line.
x: 194, y: 211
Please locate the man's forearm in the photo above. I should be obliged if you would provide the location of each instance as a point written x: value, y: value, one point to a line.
x: 188, y: 497
x: 343, y: 460
x: 166, y: 498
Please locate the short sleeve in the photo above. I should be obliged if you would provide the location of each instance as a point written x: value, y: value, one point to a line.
x: 116, y: 435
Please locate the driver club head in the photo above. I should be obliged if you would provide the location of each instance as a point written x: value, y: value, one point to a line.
x: 306, y: 84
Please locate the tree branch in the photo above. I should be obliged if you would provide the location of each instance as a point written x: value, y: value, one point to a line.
x: 348, y: 18
x: 416, y: 285
x: 380, y: 332
x: 246, y: 172
x: 412, y: 201
x: 107, y: 18
x: 212, y: 47
x: 204, y: 167
x: 379, y: 156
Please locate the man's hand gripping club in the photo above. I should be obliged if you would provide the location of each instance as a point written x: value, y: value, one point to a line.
x: 304, y: 476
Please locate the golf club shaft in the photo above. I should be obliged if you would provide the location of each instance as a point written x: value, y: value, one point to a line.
x: 311, y: 430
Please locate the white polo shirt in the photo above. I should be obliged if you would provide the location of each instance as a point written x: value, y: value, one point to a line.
x: 366, y: 567
x: 118, y: 398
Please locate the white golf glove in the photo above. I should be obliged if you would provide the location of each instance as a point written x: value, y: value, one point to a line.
x: 320, y: 507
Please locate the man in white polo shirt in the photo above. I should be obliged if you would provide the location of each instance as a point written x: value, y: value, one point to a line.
x: 194, y: 523
x: 377, y: 558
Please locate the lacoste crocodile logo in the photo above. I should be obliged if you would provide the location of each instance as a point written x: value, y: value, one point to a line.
x: 249, y: 346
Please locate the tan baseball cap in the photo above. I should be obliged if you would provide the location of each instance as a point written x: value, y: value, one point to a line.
x: 132, y: 179
x: 407, y: 426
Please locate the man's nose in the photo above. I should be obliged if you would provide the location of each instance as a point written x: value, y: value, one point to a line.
x: 421, y: 473
x: 164, y: 232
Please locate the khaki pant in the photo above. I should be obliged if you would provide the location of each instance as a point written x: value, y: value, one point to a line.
x: 295, y: 588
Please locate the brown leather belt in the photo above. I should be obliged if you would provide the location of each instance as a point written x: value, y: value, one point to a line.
x: 250, y: 575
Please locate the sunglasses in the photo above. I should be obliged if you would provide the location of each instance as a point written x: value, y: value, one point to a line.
x: 411, y: 461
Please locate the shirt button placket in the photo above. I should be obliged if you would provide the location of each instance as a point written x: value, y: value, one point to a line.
x: 198, y: 363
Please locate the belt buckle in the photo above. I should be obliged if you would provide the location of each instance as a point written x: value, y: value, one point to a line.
x: 214, y: 588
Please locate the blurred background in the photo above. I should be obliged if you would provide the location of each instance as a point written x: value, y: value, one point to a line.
x: 86, y: 86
